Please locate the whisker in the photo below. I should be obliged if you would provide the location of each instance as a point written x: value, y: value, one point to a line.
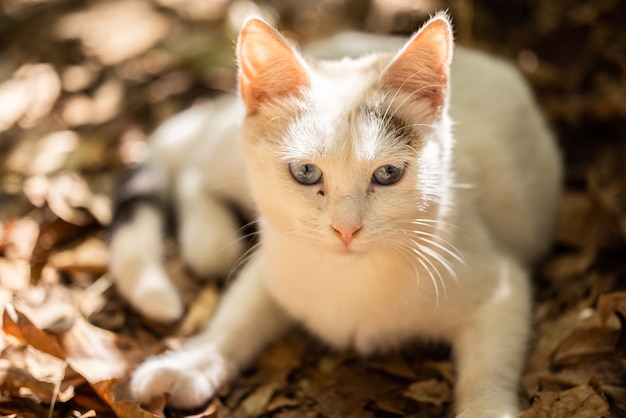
x: 420, y: 259
x: 433, y: 223
x: 444, y: 263
x: 243, y: 259
x: 247, y: 237
x: 454, y: 252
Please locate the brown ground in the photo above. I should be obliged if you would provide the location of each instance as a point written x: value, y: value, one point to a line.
x: 82, y: 83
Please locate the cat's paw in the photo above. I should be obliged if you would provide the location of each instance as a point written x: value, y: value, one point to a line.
x: 154, y: 296
x: 189, y: 385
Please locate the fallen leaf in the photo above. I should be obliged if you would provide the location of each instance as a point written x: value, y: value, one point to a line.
x: 91, y: 256
x: 19, y: 238
x: 40, y: 153
x: 256, y: 403
x: 615, y: 304
x: 579, y: 402
x: 14, y: 275
x: 69, y: 197
x: 396, y: 366
x: 585, y: 344
x: 29, y: 95
x: 99, y: 356
x: 95, y: 353
x: 610, y: 303
x: 14, y: 381
x: 282, y: 401
x: 616, y: 397
x: 114, y: 32
x: 123, y: 409
x: 18, y: 325
x: 200, y: 312
x: 433, y: 391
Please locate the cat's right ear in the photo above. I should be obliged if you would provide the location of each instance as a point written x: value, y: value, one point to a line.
x: 268, y: 67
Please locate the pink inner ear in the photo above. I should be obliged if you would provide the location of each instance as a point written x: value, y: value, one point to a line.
x: 268, y: 66
x: 422, y: 67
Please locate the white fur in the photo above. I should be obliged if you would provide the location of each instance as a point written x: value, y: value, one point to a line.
x: 136, y: 249
x: 442, y: 254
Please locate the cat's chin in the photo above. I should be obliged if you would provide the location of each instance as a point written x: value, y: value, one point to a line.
x: 346, y: 254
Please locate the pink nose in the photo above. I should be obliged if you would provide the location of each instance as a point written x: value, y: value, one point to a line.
x: 347, y: 233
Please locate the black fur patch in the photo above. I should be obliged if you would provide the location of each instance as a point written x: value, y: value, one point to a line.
x: 138, y: 187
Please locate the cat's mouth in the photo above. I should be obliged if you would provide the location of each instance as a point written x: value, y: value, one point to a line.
x: 346, y: 255
x: 347, y: 251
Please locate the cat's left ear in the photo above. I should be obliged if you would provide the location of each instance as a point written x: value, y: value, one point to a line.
x: 268, y: 66
x: 422, y: 67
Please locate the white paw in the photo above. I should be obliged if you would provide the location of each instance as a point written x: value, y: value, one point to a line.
x: 189, y: 385
x: 135, y: 265
x: 160, y: 303
x: 149, y: 290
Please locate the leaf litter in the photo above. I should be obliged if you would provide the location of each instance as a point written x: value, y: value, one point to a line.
x: 81, y: 86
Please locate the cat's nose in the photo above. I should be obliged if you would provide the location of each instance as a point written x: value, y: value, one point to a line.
x: 347, y: 232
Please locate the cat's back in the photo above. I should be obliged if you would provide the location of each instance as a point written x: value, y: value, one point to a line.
x: 202, y: 143
x: 505, y: 154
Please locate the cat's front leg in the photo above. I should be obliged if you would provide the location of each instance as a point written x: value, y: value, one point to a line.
x: 246, y: 320
x: 490, y: 351
x: 136, y: 249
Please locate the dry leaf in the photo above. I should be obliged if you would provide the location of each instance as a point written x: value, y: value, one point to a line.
x: 585, y: 344
x: 95, y: 353
x: 200, y: 312
x: 256, y: 403
x: 19, y: 238
x: 579, y: 402
x: 432, y: 391
x: 615, y: 303
x: 611, y: 303
x: 90, y: 256
x: 98, y: 355
x: 29, y: 95
x: 14, y: 381
x: 115, y: 31
x: 396, y: 366
x: 18, y: 325
x: 42, y: 154
x: 123, y: 409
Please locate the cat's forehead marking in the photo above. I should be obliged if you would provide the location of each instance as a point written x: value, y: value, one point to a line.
x: 401, y: 130
x: 363, y: 133
x: 346, y: 117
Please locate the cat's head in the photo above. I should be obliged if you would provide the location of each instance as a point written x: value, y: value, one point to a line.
x: 346, y: 154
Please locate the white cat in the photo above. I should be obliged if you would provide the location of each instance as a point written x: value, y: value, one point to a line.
x: 398, y: 197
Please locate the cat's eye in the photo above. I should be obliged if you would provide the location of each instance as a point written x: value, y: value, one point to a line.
x: 387, y: 175
x: 306, y: 173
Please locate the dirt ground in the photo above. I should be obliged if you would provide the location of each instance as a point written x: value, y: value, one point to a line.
x: 83, y: 83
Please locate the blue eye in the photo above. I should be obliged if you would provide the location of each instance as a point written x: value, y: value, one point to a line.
x: 387, y: 175
x: 307, y: 174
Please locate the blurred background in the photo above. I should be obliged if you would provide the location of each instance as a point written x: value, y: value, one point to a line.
x: 84, y: 82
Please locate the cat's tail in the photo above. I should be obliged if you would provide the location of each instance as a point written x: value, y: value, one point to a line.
x: 136, y: 246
